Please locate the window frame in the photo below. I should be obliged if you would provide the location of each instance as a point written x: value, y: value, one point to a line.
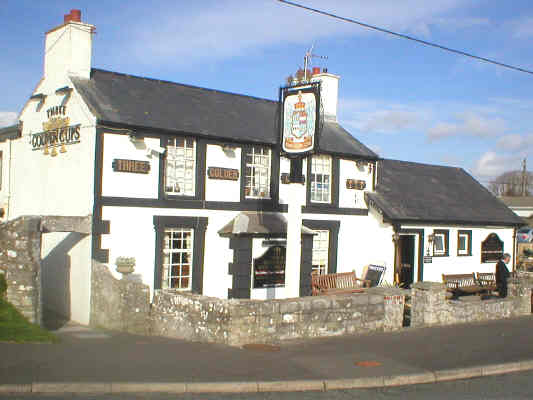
x: 319, y: 269
x: 199, y: 226
x: 166, y: 268
x: 333, y: 227
x: 273, y: 199
x: 200, y: 170
x: 312, y: 206
x: 446, y: 236
x: 246, y: 150
x: 468, y: 242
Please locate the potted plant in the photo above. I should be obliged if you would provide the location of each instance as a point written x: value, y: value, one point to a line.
x: 125, y: 265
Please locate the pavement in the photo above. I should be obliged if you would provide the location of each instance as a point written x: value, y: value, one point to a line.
x: 96, y: 361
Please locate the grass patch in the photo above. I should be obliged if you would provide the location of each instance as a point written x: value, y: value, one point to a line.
x: 14, y: 327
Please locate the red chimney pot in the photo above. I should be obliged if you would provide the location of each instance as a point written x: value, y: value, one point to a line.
x: 316, y: 70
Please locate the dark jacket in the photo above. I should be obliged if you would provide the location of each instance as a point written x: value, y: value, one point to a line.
x: 502, y: 273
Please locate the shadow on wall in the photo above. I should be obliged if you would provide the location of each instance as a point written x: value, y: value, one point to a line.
x: 55, y: 278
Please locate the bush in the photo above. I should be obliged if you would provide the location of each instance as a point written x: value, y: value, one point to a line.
x: 3, y: 285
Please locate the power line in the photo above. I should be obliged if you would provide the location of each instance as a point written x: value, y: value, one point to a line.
x: 401, y: 35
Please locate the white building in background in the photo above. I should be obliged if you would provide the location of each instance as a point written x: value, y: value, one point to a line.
x: 189, y: 182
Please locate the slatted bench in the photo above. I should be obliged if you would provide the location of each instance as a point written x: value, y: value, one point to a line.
x: 462, y: 284
x: 340, y: 283
x: 487, y: 280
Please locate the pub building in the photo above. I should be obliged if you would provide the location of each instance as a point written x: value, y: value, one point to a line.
x: 202, y: 190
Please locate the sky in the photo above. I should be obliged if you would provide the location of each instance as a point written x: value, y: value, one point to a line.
x: 403, y: 100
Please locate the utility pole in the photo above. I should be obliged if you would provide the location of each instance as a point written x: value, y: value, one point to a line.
x: 524, y: 177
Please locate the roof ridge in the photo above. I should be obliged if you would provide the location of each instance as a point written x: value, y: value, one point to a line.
x: 421, y: 163
x: 184, y: 84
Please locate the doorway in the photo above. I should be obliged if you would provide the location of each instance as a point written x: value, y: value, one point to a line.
x: 408, y: 260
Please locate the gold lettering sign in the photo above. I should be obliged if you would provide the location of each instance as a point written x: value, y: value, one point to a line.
x: 223, y: 173
x: 133, y: 166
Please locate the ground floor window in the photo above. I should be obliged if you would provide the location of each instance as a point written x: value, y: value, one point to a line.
x: 491, y: 249
x: 320, y: 252
x: 440, y: 242
x: 177, y: 258
x: 179, y: 255
x: 464, y: 243
x: 269, y: 269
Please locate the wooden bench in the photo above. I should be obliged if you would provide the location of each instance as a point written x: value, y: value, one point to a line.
x: 340, y: 283
x: 463, y: 284
x: 487, y: 280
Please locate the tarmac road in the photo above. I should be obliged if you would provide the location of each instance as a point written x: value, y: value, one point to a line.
x: 518, y: 386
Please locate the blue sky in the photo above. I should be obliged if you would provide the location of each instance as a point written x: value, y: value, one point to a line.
x: 404, y: 100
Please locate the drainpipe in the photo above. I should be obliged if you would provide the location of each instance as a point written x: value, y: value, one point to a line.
x: 515, y: 244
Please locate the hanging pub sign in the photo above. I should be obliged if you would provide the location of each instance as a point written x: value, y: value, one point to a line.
x: 300, y: 119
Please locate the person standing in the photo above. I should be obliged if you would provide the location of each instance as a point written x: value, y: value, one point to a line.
x: 502, y: 273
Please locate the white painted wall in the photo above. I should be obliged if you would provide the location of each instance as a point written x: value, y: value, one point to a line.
x: 132, y: 234
x: 354, y: 198
x: 454, y: 264
x: 223, y: 190
x: 329, y: 93
x: 61, y: 185
x: 127, y: 184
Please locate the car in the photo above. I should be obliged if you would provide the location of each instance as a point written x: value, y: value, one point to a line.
x: 525, y: 235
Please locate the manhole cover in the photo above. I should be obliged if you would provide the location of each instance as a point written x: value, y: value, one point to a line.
x: 367, y: 364
x: 261, y: 347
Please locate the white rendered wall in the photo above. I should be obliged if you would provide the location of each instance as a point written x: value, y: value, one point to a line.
x: 218, y: 189
x: 139, y: 242
x: 354, y: 198
x: 127, y: 184
x: 329, y: 92
x: 454, y: 264
x: 60, y: 185
x: 5, y: 148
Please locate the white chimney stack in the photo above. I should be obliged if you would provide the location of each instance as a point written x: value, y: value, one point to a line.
x: 329, y: 92
x: 68, y: 47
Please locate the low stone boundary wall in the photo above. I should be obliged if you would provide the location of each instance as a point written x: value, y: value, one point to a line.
x: 20, y: 261
x: 122, y: 305
x: 239, y: 321
x: 430, y: 307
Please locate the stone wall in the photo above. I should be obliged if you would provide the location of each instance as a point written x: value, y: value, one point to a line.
x: 20, y: 260
x: 430, y: 307
x: 122, y: 305
x: 241, y: 321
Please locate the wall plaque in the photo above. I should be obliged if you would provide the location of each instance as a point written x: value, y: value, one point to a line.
x: 133, y: 166
x: 226, y: 174
x: 428, y: 259
x: 355, y: 184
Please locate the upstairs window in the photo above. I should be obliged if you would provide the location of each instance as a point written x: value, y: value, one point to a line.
x: 257, y: 172
x: 180, y: 167
x: 440, y: 243
x: 491, y: 249
x: 321, y: 179
x: 320, y: 252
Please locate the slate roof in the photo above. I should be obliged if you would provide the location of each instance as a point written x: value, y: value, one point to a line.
x: 258, y: 224
x: 153, y: 104
x: 413, y: 192
x: 9, y: 132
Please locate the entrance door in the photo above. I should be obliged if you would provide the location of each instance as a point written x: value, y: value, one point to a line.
x: 408, y: 270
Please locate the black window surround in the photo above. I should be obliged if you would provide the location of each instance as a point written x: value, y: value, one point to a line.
x: 312, y: 206
x: 333, y: 228
x: 199, y: 224
x: 274, y: 178
x: 446, y: 234
x: 199, y: 171
x: 468, y: 234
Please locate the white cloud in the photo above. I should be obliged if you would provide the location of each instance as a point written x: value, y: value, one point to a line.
x: 468, y: 123
x: 492, y: 164
x: 221, y: 29
x: 7, y: 118
x: 520, y: 144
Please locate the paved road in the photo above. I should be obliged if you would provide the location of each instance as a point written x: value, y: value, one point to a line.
x: 512, y: 386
